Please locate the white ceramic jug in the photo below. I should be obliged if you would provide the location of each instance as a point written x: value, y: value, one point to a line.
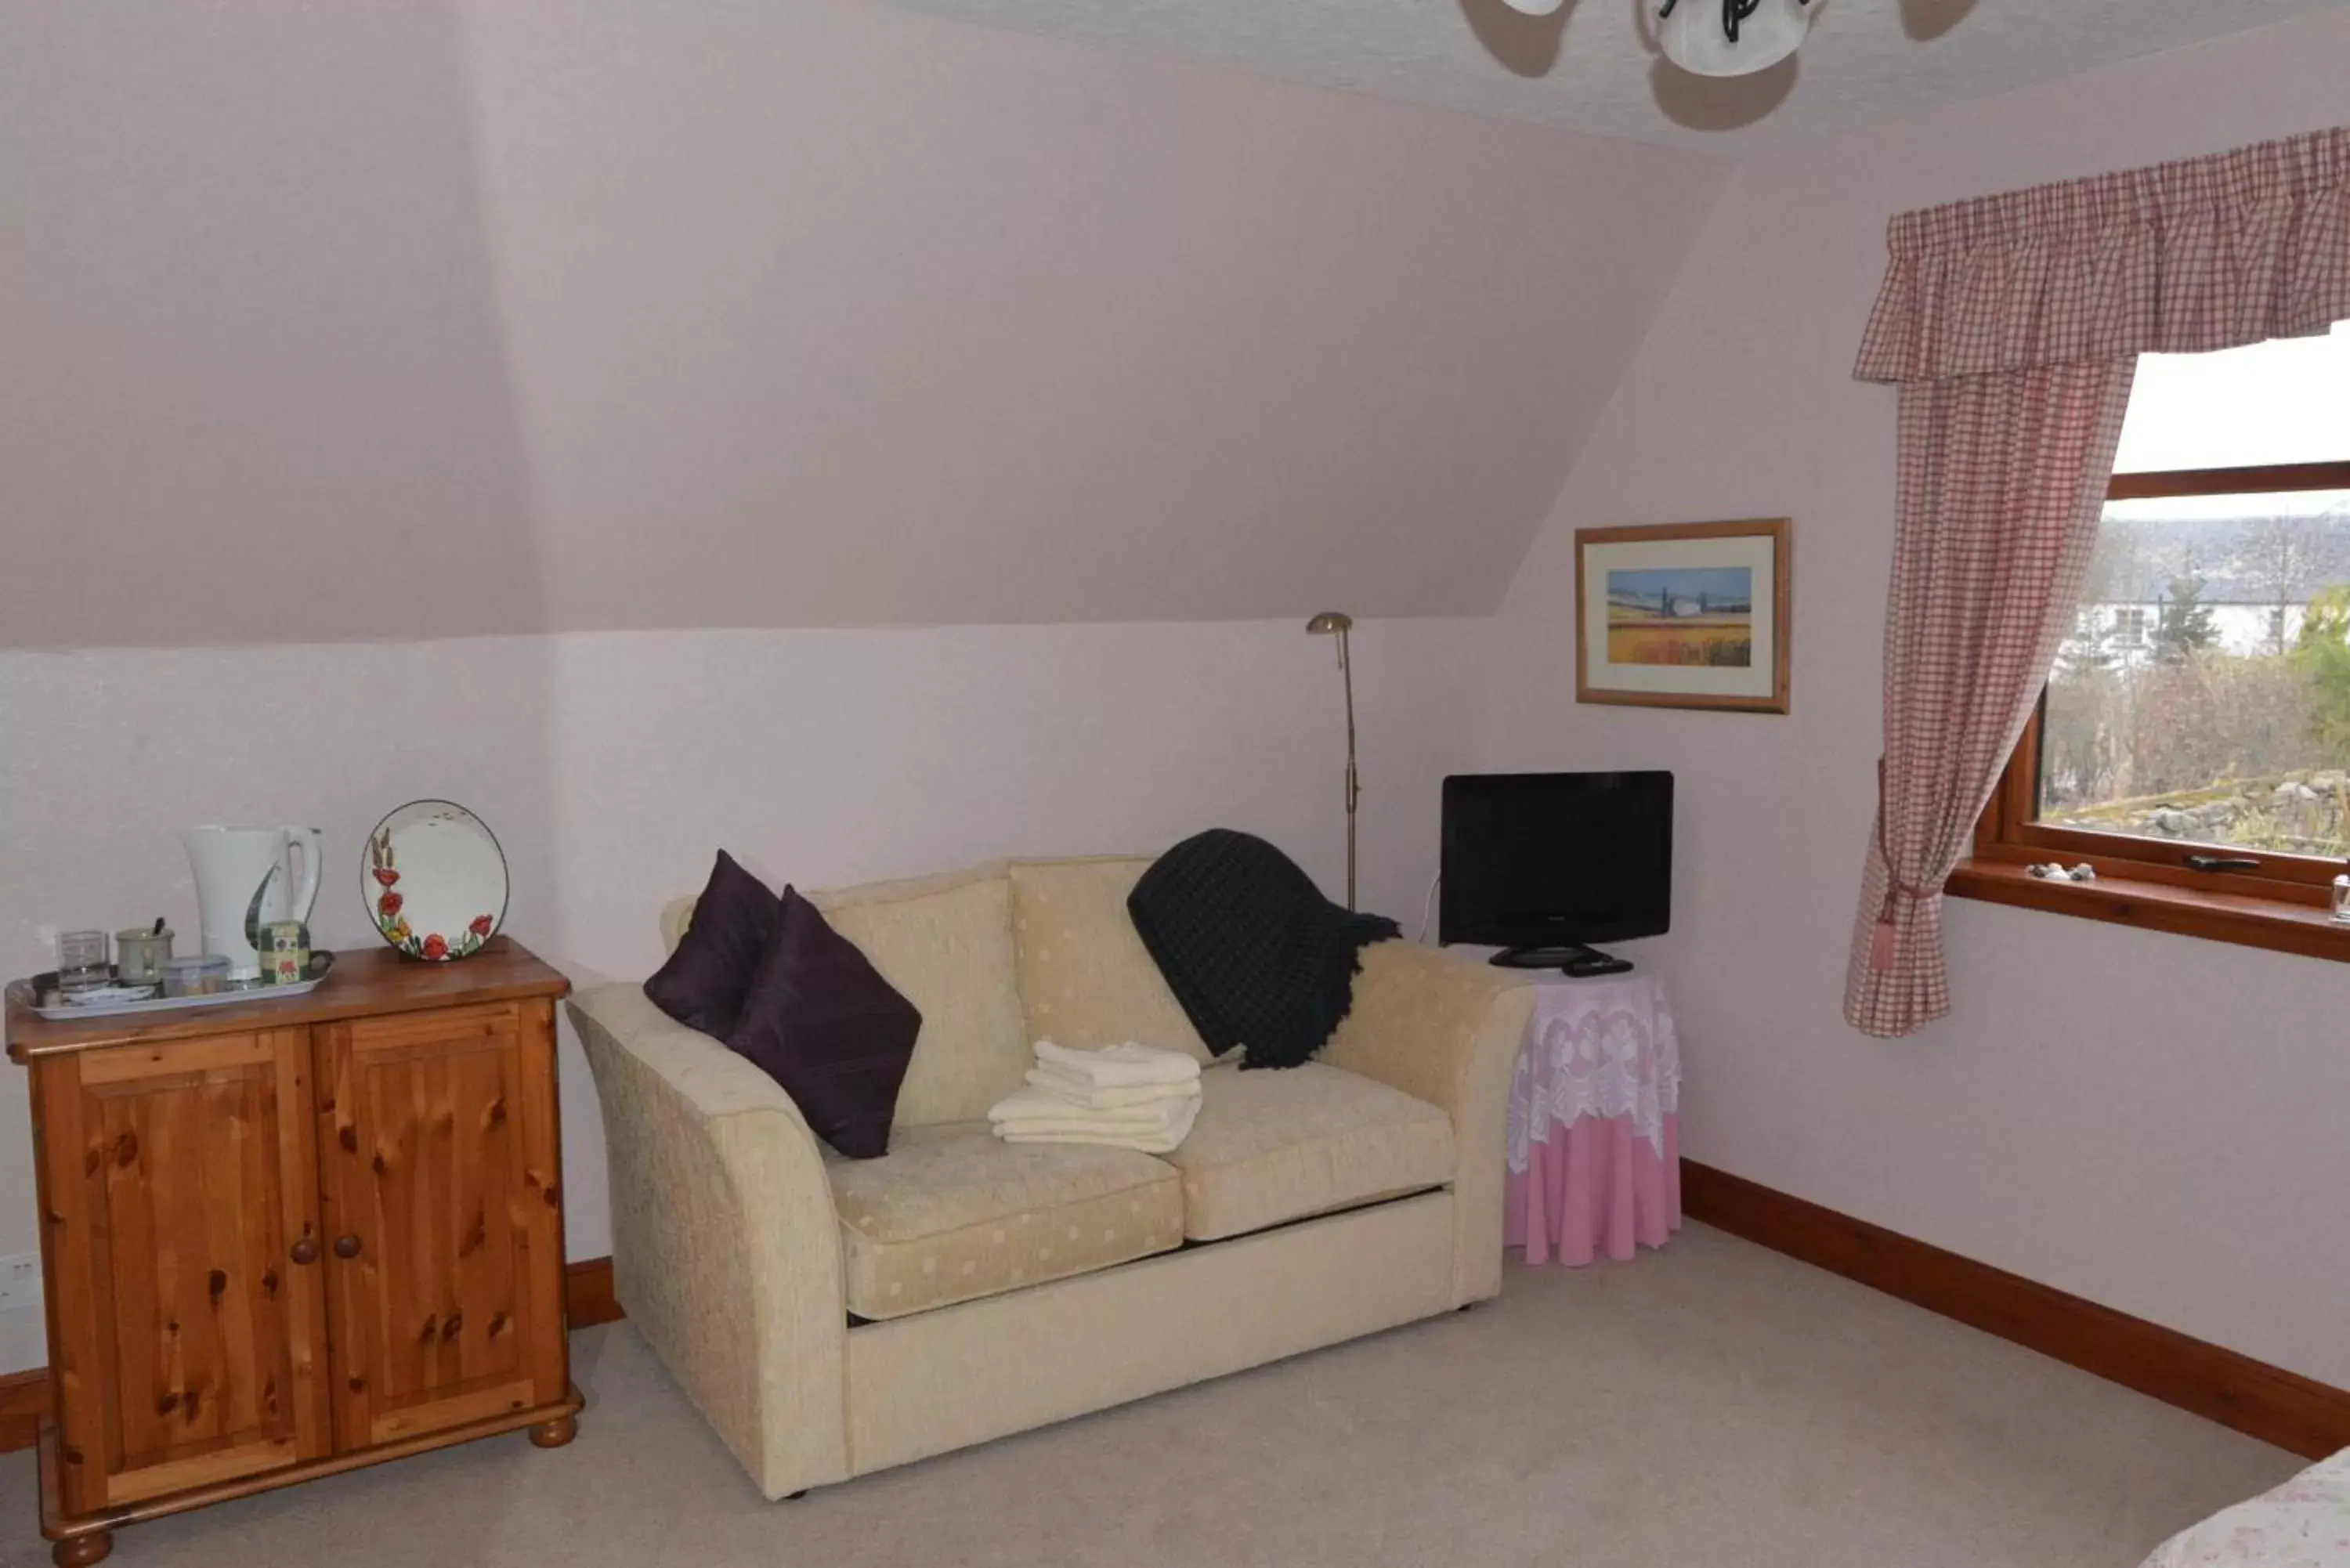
x: 242, y: 883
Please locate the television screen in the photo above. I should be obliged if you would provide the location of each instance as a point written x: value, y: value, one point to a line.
x: 1543, y: 860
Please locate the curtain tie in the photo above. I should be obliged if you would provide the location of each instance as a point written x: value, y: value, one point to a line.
x: 1883, y: 941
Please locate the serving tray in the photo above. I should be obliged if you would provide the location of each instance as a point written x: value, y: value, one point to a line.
x: 42, y: 985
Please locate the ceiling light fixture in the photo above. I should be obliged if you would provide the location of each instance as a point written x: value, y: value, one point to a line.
x: 1753, y: 35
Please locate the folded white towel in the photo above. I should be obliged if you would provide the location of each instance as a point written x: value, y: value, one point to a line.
x: 1078, y: 1092
x: 1119, y: 1066
x: 1034, y: 1109
x: 1163, y: 1141
x: 1154, y: 1144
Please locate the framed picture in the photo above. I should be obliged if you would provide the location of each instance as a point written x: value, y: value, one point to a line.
x: 1684, y: 615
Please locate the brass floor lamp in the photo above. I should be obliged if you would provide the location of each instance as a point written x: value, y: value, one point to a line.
x: 1340, y: 623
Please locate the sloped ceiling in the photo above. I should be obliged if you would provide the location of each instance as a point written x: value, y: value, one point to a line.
x: 385, y: 322
x: 1590, y: 68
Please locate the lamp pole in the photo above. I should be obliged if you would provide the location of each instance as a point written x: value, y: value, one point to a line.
x: 1338, y: 623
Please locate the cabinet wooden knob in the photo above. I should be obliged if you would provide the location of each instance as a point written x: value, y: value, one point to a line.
x: 347, y: 1247
x: 306, y: 1251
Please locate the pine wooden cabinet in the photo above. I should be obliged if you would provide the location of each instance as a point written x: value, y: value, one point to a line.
x: 285, y: 1239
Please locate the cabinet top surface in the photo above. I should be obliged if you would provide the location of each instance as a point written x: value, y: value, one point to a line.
x: 365, y: 984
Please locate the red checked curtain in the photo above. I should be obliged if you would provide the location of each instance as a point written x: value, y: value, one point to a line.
x: 2013, y: 325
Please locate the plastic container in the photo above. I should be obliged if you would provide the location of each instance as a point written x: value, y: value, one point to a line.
x: 198, y: 974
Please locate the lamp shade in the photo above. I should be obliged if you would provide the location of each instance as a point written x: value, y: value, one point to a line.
x: 1694, y: 38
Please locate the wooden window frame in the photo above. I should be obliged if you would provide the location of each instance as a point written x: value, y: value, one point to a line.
x: 2284, y: 903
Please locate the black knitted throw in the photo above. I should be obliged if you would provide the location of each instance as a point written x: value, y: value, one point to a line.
x: 1251, y: 948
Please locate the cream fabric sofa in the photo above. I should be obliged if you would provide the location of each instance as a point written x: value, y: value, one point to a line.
x: 832, y: 1318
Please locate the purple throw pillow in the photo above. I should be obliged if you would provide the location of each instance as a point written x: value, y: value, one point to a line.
x: 703, y: 983
x: 821, y: 1021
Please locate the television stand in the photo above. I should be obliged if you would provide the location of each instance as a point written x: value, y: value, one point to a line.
x: 1581, y: 963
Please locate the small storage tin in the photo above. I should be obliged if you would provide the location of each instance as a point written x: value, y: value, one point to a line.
x: 138, y: 955
x: 285, y: 948
x: 198, y: 974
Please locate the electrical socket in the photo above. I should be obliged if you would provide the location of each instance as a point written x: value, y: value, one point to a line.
x: 20, y: 1281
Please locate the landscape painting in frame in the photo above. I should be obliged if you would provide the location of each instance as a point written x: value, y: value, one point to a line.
x: 1684, y: 615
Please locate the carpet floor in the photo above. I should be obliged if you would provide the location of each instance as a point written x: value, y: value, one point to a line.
x: 1712, y: 1403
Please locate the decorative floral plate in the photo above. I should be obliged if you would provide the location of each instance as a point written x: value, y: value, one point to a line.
x: 434, y: 881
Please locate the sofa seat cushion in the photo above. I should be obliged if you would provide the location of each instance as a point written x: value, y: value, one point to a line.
x: 952, y: 1213
x: 1275, y: 1145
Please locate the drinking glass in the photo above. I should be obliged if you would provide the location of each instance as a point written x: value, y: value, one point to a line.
x: 82, y: 961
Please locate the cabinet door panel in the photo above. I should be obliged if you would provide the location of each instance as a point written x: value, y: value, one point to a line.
x: 189, y: 1344
x: 441, y: 1197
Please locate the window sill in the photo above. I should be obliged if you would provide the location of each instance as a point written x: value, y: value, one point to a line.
x: 2271, y: 923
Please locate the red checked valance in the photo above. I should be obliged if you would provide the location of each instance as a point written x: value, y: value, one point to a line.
x: 2212, y: 252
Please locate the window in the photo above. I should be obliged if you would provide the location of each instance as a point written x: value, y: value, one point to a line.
x: 2194, y: 731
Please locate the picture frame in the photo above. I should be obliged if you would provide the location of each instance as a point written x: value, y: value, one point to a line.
x: 1685, y: 615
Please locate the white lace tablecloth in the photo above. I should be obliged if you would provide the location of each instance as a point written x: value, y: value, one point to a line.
x: 1594, y: 1123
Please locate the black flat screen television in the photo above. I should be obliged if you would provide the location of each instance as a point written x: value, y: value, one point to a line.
x: 1543, y: 864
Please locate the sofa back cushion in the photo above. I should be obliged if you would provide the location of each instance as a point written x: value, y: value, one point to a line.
x: 1084, y: 977
x: 945, y: 944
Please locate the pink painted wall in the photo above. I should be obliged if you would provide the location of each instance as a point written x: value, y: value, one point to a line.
x: 2149, y: 1121
x: 611, y: 765
x: 466, y: 317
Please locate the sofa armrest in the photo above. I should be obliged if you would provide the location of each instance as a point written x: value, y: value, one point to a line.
x: 726, y: 1250
x: 1446, y: 1029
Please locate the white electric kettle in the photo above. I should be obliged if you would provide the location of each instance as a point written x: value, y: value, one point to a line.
x: 242, y: 883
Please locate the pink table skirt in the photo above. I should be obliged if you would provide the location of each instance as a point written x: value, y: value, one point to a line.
x: 1595, y: 1187
x: 1593, y: 1126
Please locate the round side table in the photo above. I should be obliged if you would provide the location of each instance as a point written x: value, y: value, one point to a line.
x: 1593, y: 1128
